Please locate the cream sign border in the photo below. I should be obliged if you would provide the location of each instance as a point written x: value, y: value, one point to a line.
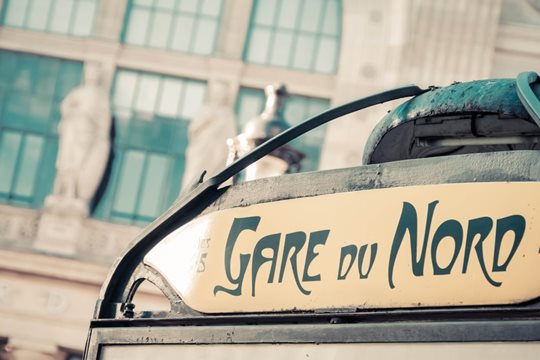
x: 417, y: 246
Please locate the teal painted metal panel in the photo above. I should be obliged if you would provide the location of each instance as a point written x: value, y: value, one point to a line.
x: 31, y: 89
x: 397, y: 135
x: 297, y: 34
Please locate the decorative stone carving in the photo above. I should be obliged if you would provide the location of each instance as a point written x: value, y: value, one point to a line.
x: 271, y: 122
x: 18, y: 226
x: 208, y: 134
x: 84, y: 145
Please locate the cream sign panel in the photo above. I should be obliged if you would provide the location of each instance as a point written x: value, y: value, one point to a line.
x: 435, y: 245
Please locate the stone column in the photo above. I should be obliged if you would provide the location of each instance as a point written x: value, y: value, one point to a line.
x: 234, y: 27
x: 110, y: 19
x: 105, y: 44
x: 517, y: 46
x: 450, y: 41
x: 371, y: 43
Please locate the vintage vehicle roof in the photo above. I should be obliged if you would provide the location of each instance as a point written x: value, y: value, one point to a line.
x: 495, y: 101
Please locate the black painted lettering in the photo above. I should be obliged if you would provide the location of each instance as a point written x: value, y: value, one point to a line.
x: 346, y: 251
x: 452, y: 229
x: 481, y: 227
x: 516, y: 224
x: 293, y: 241
x: 238, y: 225
x: 408, y: 221
x: 270, y: 242
x: 315, y: 238
x: 362, y: 255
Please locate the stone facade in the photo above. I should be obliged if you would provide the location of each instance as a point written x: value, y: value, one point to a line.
x: 51, y: 269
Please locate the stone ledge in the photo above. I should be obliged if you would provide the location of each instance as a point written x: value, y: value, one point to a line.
x: 95, y: 241
x: 52, y: 266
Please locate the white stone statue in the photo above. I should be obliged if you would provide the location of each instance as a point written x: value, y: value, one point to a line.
x: 84, y: 144
x: 208, y: 134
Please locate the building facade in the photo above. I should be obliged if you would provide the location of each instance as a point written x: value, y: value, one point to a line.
x: 137, y: 79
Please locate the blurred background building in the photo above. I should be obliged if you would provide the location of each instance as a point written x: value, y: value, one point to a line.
x: 158, y: 66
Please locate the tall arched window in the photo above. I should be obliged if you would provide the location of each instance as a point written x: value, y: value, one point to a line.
x: 189, y: 26
x: 297, y: 34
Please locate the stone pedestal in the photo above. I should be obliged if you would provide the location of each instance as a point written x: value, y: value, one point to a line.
x: 58, y: 234
x: 60, y: 225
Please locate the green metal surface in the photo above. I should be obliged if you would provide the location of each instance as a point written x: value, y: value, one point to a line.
x: 297, y: 34
x: 394, y: 136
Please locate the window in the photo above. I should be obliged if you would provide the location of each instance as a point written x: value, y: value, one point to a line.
x: 298, y: 34
x: 181, y: 25
x: 70, y: 17
x: 250, y: 102
x: 31, y: 89
x: 152, y: 114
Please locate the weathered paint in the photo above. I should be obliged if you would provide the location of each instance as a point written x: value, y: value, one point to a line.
x: 476, y: 97
x: 418, y: 246
x: 253, y: 330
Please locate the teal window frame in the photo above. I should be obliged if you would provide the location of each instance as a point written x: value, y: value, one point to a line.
x: 175, y: 21
x: 31, y: 90
x: 152, y: 115
x: 297, y: 109
x: 297, y: 44
x: 43, y: 19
